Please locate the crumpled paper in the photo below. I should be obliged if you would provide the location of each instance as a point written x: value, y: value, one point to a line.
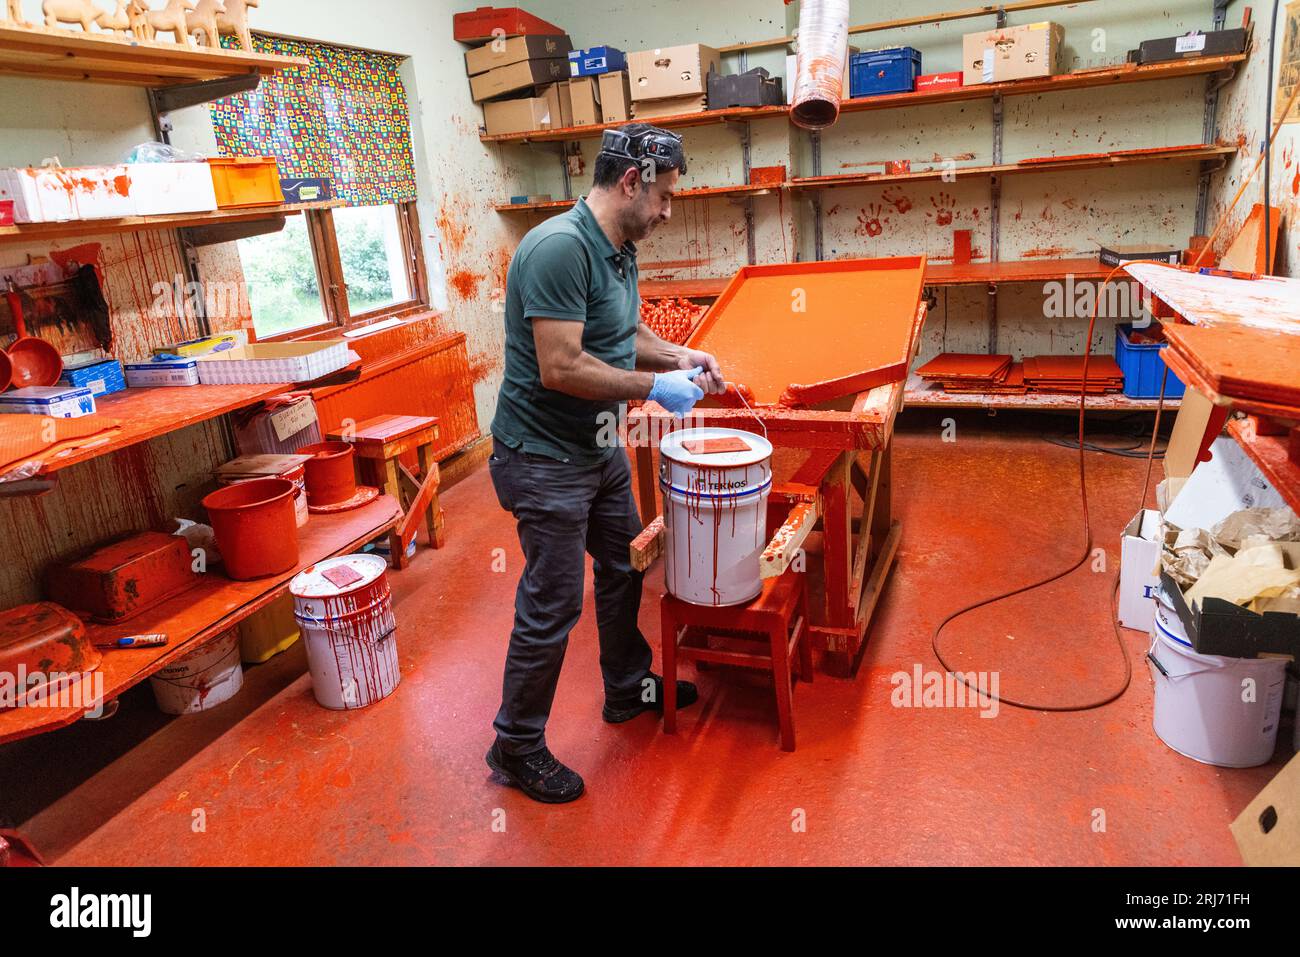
x: 1251, y: 558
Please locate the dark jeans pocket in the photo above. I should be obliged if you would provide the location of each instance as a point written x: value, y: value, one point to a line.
x: 501, y: 466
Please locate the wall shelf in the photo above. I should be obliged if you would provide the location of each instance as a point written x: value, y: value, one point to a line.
x: 919, y: 394
x: 100, y: 58
x: 1163, y: 154
x: 1080, y: 80
x: 214, y: 605
x: 703, y: 192
x: 25, y: 232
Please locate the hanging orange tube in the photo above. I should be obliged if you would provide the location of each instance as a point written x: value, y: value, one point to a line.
x: 819, y: 67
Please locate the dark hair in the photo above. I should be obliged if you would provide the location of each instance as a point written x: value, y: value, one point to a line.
x: 611, y: 167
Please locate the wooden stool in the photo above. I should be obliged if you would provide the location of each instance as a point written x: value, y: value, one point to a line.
x: 378, y: 442
x: 777, y: 616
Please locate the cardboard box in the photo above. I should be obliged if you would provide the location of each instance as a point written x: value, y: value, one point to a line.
x: 485, y: 23
x: 60, y: 194
x: 1012, y: 53
x: 506, y: 52
x: 938, y: 81
x: 677, y: 105
x: 306, y: 189
x: 205, y: 345
x: 1267, y: 832
x: 524, y: 114
x: 566, y: 103
x: 1115, y: 253
x: 672, y: 71
x: 584, y: 97
x: 1194, y: 44
x: 55, y: 401
x: 162, y: 372
x: 596, y: 60
x: 1139, y: 570
x: 160, y: 188
x: 517, y: 76
x: 615, y: 97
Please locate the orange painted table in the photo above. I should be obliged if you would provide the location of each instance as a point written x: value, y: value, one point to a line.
x: 831, y: 465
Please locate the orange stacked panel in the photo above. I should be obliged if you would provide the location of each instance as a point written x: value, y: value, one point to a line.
x: 1063, y: 375
x: 973, y: 373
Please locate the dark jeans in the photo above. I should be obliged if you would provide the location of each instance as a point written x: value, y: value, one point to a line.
x: 564, y: 511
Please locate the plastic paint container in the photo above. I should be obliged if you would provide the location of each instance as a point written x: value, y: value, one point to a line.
x: 255, y: 527
x: 202, y: 679
x: 331, y: 477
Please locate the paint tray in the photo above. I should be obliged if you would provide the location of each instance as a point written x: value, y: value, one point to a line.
x: 798, y: 334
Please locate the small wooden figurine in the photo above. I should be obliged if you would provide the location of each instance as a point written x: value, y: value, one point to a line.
x: 70, y: 11
x: 233, y: 21
x: 14, y: 13
x: 137, y: 12
x: 171, y: 19
x: 202, y: 22
x: 117, y: 22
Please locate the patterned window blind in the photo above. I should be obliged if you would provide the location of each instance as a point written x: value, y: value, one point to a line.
x: 344, y: 117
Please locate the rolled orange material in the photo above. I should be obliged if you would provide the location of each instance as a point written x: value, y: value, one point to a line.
x: 819, y: 67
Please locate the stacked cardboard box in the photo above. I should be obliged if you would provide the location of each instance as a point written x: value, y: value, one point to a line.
x: 671, y: 80
x: 518, y: 80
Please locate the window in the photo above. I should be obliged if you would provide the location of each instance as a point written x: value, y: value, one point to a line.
x: 341, y: 117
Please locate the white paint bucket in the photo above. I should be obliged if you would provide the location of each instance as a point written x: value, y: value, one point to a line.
x: 1199, y: 708
x: 201, y: 679
x: 345, y: 613
x: 715, y: 515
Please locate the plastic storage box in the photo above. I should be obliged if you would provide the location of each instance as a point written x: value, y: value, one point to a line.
x: 1143, y: 367
x: 596, y: 60
x: 884, y: 71
x: 246, y: 181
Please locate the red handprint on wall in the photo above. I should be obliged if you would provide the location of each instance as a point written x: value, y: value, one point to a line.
x: 943, y: 209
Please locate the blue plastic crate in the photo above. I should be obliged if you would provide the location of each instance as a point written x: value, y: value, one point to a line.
x: 1143, y: 367
x: 884, y: 71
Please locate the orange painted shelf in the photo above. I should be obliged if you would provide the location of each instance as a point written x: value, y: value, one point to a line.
x: 131, y: 224
x: 921, y: 394
x: 147, y: 413
x: 1269, y: 452
x: 1017, y: 270
x: 683, y: 288
x: 100, y: 58
x: 1046, y: 164
x: 212, y: 606
x: 703, y: 192
x: 1084, y: 79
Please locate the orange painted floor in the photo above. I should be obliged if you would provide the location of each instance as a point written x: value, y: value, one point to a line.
x: 270, y: 778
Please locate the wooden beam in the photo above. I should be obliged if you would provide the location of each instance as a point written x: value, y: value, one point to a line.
x: 647, y: 546
x: 787, y: 541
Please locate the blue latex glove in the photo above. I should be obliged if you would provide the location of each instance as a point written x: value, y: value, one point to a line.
x: 675, y: 391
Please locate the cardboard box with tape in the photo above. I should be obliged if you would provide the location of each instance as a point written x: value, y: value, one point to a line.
x: 672, y: 71
x: 1012, y: 53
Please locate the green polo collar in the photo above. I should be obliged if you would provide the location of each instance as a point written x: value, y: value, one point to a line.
x: 589, y: 223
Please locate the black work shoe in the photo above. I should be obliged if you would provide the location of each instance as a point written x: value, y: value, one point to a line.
x: 540, y: 775
x: 625, y: 709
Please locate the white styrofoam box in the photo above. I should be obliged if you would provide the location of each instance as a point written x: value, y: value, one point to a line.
x: 159, y: 188
x: 275, y: 362
x: 56, y: 401
x: 1227, y: 483
x: 1139, y: 575
x: 166, y: 372
x: 62, y: 193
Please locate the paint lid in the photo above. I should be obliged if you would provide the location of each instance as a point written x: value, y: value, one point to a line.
x: 677, y: 446
x: 338, y: 576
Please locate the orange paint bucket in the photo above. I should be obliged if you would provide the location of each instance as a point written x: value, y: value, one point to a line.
x: 330, y: 474
x: 255, y: 527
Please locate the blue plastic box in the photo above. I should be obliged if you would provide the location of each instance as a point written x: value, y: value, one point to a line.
x: 596, y: 60
x: 100, y: 376
x: 884, y: 71
x: 1143, y: 367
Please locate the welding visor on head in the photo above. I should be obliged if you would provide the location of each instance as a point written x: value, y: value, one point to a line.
x: 660, y: 147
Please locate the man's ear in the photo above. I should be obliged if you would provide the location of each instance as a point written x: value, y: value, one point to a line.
x: 630, y: 181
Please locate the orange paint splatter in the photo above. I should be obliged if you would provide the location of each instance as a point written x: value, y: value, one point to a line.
x: 454, y: 232
x: 464, y: 283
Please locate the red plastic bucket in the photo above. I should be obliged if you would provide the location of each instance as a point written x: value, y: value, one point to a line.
x: 330, y: 474
x: 255, y: 527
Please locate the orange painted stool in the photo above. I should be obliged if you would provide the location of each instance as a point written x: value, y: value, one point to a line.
x: 378, y: 443
x: 777, y: 617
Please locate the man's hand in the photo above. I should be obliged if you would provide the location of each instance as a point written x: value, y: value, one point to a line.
x: 675, y: 391
x: 710, y: 380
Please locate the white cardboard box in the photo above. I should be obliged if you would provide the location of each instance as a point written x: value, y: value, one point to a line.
x: 159, y: 188
x: 61, y: 193
x: 1139, y: 570
x: 1227, y: 483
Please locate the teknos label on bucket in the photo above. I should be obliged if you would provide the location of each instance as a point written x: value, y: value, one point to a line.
x: 715, y: 508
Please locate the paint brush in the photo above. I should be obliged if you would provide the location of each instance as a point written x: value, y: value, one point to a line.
x: 141, y: 641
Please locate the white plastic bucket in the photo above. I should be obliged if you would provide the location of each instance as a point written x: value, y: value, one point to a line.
x: 715, y: 516
x: 1199, y: 708
x: 345, y: 613
x: 202, y: 679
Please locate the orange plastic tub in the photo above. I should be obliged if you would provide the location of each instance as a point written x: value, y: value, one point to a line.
x: 331, y: 476
x: 246, y: 181
x: 255, y: 527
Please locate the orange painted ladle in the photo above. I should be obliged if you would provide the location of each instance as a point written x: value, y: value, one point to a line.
x: 34, y: 361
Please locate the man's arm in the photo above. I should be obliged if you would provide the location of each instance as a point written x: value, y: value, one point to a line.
x: 660, y: 355
x: 565, y: 367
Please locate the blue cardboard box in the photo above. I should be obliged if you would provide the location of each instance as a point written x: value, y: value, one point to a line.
x: 596, y: 60
x: 884, y: 71
x: 100, y: 376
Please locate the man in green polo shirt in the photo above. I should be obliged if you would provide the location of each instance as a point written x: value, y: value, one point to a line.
x: 575, y: 350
